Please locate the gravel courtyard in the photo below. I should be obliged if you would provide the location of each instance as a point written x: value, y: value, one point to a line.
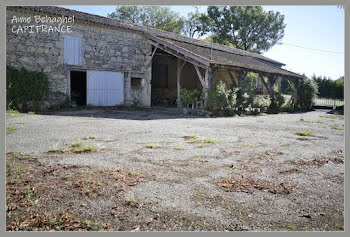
x: 252, y: 173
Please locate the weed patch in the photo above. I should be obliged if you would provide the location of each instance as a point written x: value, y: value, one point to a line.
x: 180, y: 148
x: 193, y: 139
x: 336, y: 127
x: 211, y: 140
x: 89, y: 138
x: 76, y: 147
x: 153, y: 146
x: 13, y: 114
x: 10, y: 130
x: 304, y: 133
x: 332, y: 116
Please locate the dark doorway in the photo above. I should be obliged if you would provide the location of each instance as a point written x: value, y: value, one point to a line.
x: 78, y: 87
x: 161, y: 94
x: 159, y: 75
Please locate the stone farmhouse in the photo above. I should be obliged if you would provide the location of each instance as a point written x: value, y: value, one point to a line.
x: 95, y: 60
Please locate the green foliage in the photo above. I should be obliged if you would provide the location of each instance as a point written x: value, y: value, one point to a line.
x: 24, y: 87
x: 307, y: 90
x: 151, y: 16
x: 221, y: 98
x: 244, y: 27
x: 285, y: 88
x: 193, y: 24
x: 244, y: 98
x: 276, y: 103
x: 329, y: 88
x: 10, y: 130
x: 262, y: 102
x: 225, y: 100
x: 189, y: 96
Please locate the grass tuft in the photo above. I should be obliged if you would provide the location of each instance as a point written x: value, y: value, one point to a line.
x: 304, y: 133
x: 211, y: 140
x: 76, y: 147
x: 153, y: 146
x: 180, y: 148
x: 336, y: 127
x: 10, y: 130
x: 89, y: 137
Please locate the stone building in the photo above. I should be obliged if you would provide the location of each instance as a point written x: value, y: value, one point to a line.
x: 94, y: 60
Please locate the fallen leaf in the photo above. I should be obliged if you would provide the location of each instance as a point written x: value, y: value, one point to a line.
x: 225, y: 185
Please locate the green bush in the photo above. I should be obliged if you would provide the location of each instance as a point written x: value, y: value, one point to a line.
x: 276, y: 103
x: 307, y: 90
x: 24, y: 87
x: 189, y: 97
x: 221, y: 98
x: 244, y: 99
x: 262, y: 102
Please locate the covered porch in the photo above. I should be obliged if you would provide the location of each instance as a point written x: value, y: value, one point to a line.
x: 178, y: 64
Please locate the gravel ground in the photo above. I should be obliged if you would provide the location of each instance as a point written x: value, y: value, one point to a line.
x: 190, y: 176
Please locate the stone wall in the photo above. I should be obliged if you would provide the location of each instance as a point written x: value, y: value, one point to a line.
x: 103, y: 48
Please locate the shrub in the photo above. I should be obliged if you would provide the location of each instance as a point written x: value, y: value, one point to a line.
x: 276, y: 103
x: 221, y: 98
x: 244, y: 99
x: 262, y: 102
x: 307, y: 90
x: 24, y: 87
x: 189, y: 97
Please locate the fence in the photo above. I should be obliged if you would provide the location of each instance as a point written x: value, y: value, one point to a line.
x: 328, y: 102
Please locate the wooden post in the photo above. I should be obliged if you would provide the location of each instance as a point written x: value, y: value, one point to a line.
x: 205, y: 81
x: 178, y: 79
x: 279, y: 84
x: 295, y: 96
x: 264, y: 83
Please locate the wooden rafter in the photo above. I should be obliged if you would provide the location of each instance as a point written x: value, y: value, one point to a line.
x: 182, y: 51
x: 175, y: 54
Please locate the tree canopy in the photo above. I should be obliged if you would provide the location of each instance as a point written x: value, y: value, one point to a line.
x: 249, y: 28
x: 152, y: 16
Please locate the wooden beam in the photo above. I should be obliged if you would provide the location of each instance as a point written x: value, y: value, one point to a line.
x: 178, y: 80
x: 150, y: 59
x: 199, y: 76
x: 232, y: 77
x: 180, y: 50
x: 265, y: 84
x: 175, y: 54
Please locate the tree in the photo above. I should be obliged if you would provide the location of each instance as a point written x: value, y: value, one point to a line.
x: 248, y: 28
x: 195, y: 25
x: 307, y: 90
x: 151, y: 16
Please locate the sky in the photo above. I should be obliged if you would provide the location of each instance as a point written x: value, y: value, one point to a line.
x: 313, y: 42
